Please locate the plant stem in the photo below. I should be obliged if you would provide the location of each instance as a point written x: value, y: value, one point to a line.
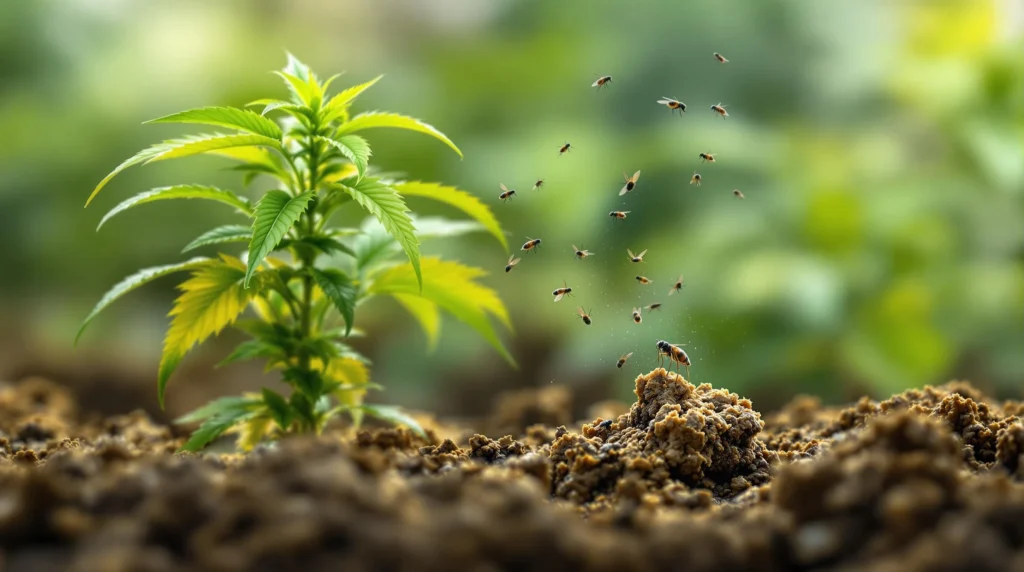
x: 306, y: 262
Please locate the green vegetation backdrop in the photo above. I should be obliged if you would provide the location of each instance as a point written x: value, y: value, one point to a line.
x: 880, y: 147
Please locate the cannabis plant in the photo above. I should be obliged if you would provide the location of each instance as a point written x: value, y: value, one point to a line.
x: 303, y: 277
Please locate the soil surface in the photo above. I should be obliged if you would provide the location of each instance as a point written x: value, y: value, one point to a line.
x: 688, y: 478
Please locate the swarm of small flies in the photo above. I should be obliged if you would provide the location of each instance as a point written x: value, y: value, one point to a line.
x: 673, y: 352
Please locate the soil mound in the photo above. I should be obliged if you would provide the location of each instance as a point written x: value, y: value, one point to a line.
x: 690, y: 477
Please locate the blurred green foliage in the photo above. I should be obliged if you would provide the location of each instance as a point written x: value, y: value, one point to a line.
x: 880, y: 147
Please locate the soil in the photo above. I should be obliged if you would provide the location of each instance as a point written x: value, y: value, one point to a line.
x: 689, y: 477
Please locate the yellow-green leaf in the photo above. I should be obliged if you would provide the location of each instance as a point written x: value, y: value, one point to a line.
x: 459, y: 199
x: 196, y: 145
x: 134, y: 281
x: 275, y: 214
x: 387, y: 205
x: 453, y: 287
x: 395, y: 416
x: 337, y: 106
x: 220, y: 235
x: 185, y: 147
x: 353, y: 147
x: 181, y: 192
x: 229, y: 117
x: 376, y: 119
x: 426, y: 313
x: 211, y: 299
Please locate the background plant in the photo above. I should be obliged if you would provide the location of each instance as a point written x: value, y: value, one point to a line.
x: 303, y: 276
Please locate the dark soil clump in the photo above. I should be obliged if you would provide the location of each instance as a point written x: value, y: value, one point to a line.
x: 690, y: 478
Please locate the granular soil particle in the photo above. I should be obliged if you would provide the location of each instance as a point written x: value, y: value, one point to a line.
x: 690, y: 478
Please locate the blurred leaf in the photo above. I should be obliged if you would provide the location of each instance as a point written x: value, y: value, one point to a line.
x: 220, y: 235
x: 211, y: 299
x: 134, y: 281
x: 230, y: 117
x: 353, y: 147
x: 275, y: 214
x: 252, y: 431
x: 376, y: 119
x: 395, y: 416
x: 219, y: 406
x: 252, y: 349
x: 459, y: 199
x: 279, y: 408
x: 215, y: 427
x: 341, y: 292
x: 453, y: 287
x: 387, y: 205
x: 181, y: 192
x: 426, y: 313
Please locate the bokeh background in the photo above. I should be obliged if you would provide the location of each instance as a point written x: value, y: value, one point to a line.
x: 879, y: 144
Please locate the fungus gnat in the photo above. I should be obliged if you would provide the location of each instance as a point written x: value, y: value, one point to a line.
x: 673, y: 104
x: 630, y: 183
x: 636, y: 257
x: 584, y: 315
x: 531, y: 243
x: 601, y: 81
x: 506, y: 193
x: 559, y: 292
x: 581, y: 254
x: 677, y: 286
x: 674, y: 353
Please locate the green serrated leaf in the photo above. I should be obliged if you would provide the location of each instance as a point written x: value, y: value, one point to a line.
x: 340, y: 290
x: 395, y: 416
x: 279, y: 409
x: 211, y: 299
x: 376, y: 119
x: 175, y: 148
x: 325, y: 244
x: 215, y: 427
x: 387, y: 205
x: 219, y: 406
x: 459, y: 199
x: 221, y: 235
x: 181, y: 192
x: 337, y: 106
x: 134, y: 281
x: 305, y: 93
x: 230, y: 117
x: 453, y: 287
x: 275, y: 214
x: 252, y: 349
x: 353, y: 147
x: 196, y: 145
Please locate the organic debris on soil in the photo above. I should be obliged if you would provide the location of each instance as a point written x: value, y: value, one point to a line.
x: 690, y: 478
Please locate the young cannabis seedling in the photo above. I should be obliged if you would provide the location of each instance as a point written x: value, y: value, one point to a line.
x: 302, y: 277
